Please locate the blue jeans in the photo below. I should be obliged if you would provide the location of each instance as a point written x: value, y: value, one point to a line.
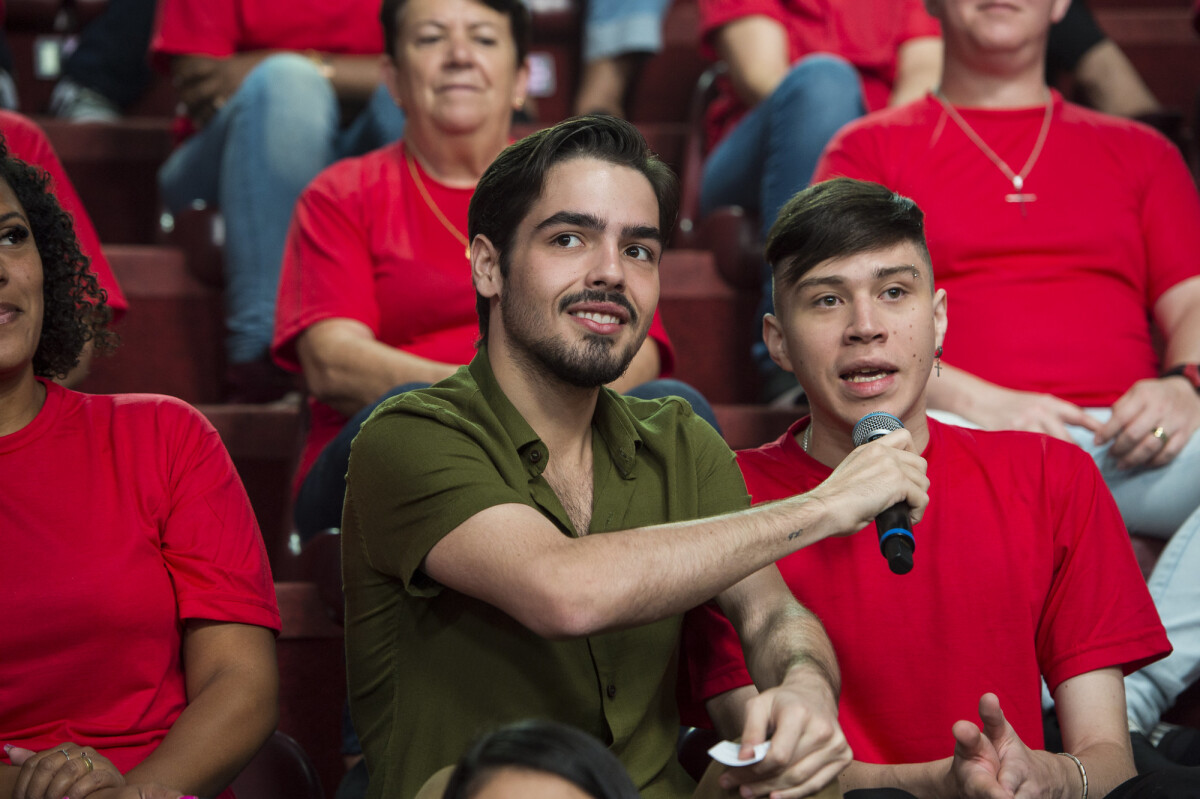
x: 252, y: 160
x: 615, y: 27
x: 319, y: 500
x: 773, y: 151
x: 1163, y: 502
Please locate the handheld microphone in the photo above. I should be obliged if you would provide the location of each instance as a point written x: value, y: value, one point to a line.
x: 896, y: 540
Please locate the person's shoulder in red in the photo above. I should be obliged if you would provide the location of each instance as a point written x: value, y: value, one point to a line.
x: 326, y: 259
x: 221, y: 28
x: 28, y: 142
x: 210, y: 536
x: 863, y: 149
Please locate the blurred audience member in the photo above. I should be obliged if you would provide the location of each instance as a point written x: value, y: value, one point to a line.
x: 539, y: 758
x: 108, y: 69
x: 1101, y: 71
x: 797, y: 73
x: 275, y: 92
x: 617, y: 36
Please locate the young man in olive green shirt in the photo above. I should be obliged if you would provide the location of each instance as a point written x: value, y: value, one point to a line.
x: 518, y: 542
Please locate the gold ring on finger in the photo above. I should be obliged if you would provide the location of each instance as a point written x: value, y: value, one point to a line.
x: 88, y: 761
x: 1161, y: 435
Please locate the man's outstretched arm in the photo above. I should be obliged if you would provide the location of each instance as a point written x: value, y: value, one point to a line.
x: 564, y: 587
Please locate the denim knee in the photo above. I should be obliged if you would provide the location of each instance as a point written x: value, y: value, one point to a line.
x: 821, y: 84
x: 286, y: 74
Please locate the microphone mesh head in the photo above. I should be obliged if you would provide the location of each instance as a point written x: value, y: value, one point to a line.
x: 874, y: 425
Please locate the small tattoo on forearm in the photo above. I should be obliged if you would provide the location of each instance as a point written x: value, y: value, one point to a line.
x: 796, y: 534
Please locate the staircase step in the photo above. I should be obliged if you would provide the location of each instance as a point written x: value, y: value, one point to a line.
x: 171, y: 337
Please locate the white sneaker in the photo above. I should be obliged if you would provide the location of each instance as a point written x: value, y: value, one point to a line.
x: 77, y: 103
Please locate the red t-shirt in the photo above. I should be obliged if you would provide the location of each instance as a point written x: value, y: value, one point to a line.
x: 1022, y: 569
x: 123, y: 518
x: 867, y: 33
x: 221, y: 28
x: 27, y: 142
x: 364, y: 245
x: 1054, y: 296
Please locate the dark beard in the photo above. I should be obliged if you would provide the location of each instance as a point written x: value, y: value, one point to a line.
x: 595, y: 364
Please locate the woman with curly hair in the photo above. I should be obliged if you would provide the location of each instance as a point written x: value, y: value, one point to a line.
x: 138, y: 608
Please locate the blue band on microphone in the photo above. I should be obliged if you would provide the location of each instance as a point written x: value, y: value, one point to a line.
x: 897, y: 531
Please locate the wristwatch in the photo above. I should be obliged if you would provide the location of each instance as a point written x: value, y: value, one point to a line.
x: 1189, y: 370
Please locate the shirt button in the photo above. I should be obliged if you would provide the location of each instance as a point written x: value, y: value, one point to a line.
x: 612, y: 691
x: 535, y: 456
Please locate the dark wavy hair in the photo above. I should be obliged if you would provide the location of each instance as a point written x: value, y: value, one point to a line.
x: 545, y: 746
x: 76, y: 309
x: 513, y: 182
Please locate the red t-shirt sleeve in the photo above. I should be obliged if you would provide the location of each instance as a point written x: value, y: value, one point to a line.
x: 328, y: 270
x: 666, y: 351
x: 852, y: 153
x: 1170, y: 223
x: 29, y: 143
x: 195, y: 27
x: 716, y: 13
x: 712, y: 660
x: 211, y: 543
x: 1098, y: 612
x: 918, y: 22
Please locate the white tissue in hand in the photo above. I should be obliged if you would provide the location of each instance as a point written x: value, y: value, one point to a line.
x: 726, y: 753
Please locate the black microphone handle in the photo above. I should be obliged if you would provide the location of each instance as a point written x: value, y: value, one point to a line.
x: 895, y: 537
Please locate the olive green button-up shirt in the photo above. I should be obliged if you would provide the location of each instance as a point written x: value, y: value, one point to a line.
x: 430, y: 668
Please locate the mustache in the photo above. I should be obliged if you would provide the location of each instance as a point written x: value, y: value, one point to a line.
x: 594, y: 295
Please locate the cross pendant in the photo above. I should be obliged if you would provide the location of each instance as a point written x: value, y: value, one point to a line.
x: 1020, y: 198
x: 937, y: 364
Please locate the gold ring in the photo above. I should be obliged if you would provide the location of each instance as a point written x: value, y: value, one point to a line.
x: 87, y: 760
x: 65, y: 753
x: 1160, y: 434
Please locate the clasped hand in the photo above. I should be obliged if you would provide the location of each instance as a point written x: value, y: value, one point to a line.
x: 63, y: 771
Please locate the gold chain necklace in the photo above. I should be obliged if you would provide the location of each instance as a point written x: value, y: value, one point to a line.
x: 416, y: 176
x: 1017, y: 179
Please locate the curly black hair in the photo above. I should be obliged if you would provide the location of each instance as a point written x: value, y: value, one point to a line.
x: 76, y: 309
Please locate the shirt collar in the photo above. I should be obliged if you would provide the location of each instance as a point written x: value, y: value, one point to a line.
x: 611, y: 420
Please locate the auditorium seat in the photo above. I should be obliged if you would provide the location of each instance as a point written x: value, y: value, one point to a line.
x: 114, y: 169
x: 709, y: 323
x: 280, y: 770
x: 171, y: 335
x: 312, y: 678
x: 663, y: 89
x: 320, y: 562
x: 264, y: 442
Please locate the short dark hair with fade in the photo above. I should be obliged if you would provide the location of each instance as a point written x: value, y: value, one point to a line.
x: 836, y: 219
x: 515, y: 180
x: 516, y: 11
